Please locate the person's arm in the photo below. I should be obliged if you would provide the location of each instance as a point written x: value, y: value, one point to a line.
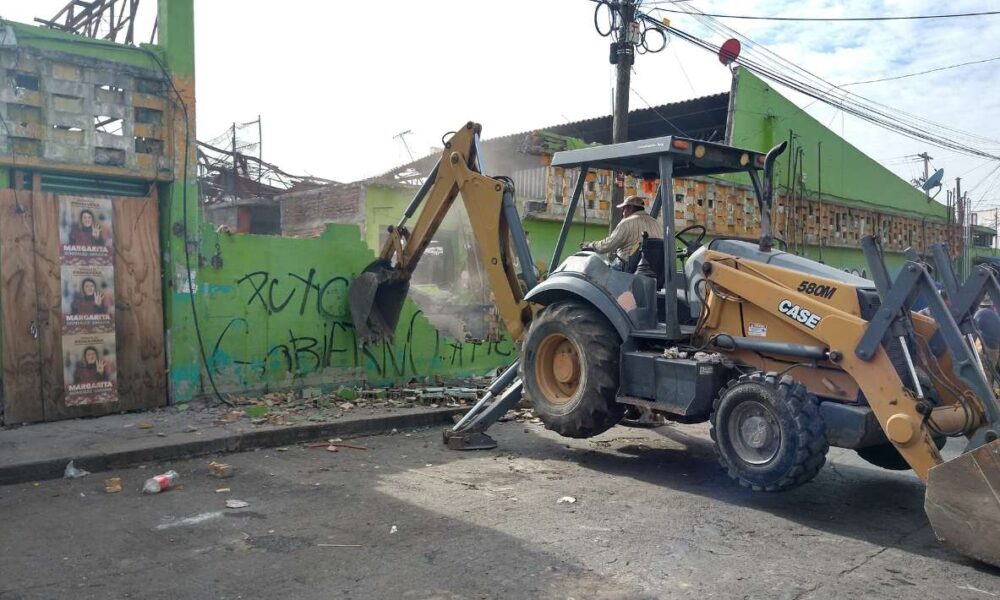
x: 617, y: 240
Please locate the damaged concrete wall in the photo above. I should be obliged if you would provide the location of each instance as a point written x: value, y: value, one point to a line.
x: 274, y: 315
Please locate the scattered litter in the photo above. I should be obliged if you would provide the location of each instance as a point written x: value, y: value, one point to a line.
x: 222, y: 491
x: 974, y: 589
x: 72, y: 472
x: 182, y: 407
x: 259, y: 421
x: 335, y: 443
x: 113, y: 485
x: 36, y: 484
x: 220, y: 470
x: 195, y: 520
x: 160, y: 483
x: 346, y: 406
x: 145, y: 425
x: 566, y: 500
x: 339, y: 545
x: 335, y: 440
x: 282, y: 449
x: 276, y: 419
x: 351, y: 446
x: 232, y: 416
x: 256, y: 411
x: 190, y: 429
x: 234, y: 503
x: 394, y: 431
x: 393, y: 529
x: 160, y: 434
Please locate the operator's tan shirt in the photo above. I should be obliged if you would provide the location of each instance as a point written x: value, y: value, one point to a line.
x: 626, y: 239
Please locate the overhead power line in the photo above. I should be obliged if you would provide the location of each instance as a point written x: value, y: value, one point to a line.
x: 825, y: 19
x: 766, y: 63
x: 965, y: 64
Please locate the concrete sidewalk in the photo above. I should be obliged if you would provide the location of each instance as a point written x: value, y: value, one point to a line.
x: 37, y: 452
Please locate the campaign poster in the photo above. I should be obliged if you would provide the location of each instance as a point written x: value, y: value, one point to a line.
x: 86, y: 235
x: 87, y: 286
x: 90, y: 369
x: 88, y: 299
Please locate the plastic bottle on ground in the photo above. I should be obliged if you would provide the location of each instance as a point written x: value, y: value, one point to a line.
x: 159, y: 483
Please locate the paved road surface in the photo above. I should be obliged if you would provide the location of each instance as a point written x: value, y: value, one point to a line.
x: 654, y: 517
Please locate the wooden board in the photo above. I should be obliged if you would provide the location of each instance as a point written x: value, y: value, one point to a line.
x: 21, y: 355
x: 139, y: 304
x: 48, y: 288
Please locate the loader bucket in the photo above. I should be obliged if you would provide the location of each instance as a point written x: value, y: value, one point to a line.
x: 376, y: 298
x: 963, y: 503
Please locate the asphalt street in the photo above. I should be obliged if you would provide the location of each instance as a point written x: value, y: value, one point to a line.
x: 654, y: 516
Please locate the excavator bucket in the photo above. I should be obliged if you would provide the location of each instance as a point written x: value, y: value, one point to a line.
x: 963, y: 503
x: 376, y: 298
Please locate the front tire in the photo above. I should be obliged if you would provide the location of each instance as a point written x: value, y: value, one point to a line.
x: 569, y: 367
x: 768, y: 432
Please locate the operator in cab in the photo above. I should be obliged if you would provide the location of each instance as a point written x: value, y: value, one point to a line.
x: 626, y: 239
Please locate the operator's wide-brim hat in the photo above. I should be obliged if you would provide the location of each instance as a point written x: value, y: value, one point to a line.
x: 635, y: 201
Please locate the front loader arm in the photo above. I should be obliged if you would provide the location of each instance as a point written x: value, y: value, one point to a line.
x: 376, y: 297
x: 840, y: 332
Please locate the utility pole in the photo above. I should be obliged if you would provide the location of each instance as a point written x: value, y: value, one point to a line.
x: 927, y: 164
x: 960, y: 206
x: 927, y: 172
x: 622, y: 55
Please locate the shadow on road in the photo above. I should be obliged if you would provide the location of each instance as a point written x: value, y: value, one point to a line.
x: 884, y: 508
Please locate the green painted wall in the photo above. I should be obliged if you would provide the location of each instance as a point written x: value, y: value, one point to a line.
x: 275, y: 315
x: 763, y: 118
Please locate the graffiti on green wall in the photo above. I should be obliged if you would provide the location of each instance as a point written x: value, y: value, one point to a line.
x: 275, y: 315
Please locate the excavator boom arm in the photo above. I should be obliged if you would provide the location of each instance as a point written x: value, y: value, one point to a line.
x: 377, y: 295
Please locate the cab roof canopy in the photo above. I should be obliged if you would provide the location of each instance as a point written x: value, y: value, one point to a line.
x: 641, y: 157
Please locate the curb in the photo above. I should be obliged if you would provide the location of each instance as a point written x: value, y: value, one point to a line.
x: 53, y: 468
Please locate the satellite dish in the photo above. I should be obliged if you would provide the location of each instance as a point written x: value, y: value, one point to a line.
x: 933, y: 181
x: 729, y: 51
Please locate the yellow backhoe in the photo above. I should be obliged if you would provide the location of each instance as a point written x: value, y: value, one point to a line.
x: 784, y: 356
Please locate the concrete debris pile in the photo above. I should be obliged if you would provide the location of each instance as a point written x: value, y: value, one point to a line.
x: 313, y: 404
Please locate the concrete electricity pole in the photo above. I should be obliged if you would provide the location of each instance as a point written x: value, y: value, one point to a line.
x: 927, y: 163
x: 624, y: 52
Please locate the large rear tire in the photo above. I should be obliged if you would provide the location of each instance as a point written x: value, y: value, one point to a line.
x: 768, y: 432
x: 569, y: 367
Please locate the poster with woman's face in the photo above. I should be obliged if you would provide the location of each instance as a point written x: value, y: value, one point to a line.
x: 85, y: 231
x: 88, y: 299
x: 89, y: 369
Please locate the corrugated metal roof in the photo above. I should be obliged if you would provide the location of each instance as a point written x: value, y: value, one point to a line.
x: 699, y: 118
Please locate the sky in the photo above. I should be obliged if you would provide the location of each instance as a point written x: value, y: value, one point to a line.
x: 334, y: 82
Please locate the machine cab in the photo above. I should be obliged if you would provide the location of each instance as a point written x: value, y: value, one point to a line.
x: 664, y: 159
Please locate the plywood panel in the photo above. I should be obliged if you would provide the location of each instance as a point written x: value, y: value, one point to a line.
x: 139, y: 304
x: 21, y: 364
x: 49, y: 291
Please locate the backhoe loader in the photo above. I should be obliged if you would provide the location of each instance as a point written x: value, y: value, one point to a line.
x: 783, y: 355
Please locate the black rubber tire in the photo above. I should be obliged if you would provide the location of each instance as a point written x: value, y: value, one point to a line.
x: 887, y: 457
x: 802, y: 448
x: 592, y: 409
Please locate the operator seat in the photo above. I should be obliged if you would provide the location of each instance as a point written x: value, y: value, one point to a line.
x: 653, y: 248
